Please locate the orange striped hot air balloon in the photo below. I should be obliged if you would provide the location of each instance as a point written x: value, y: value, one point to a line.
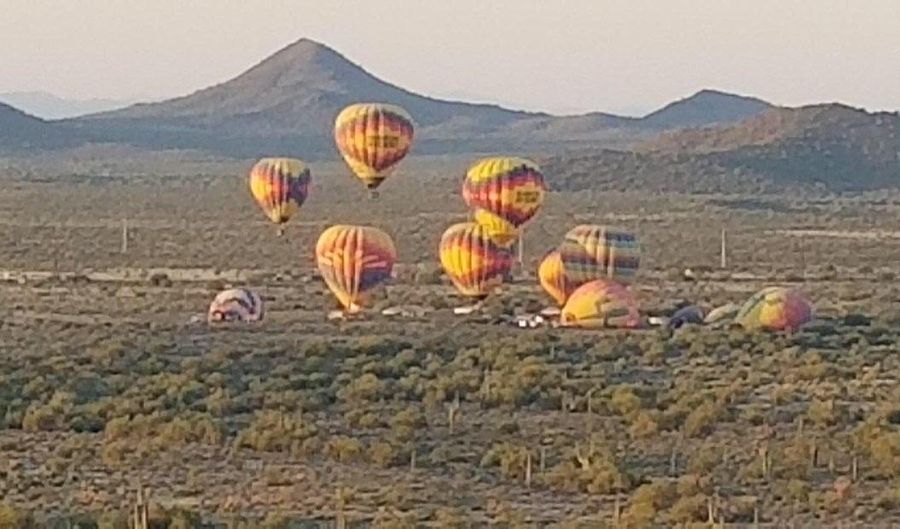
x: 504, y: 194
x: 280, y: 186
x: 353, y: 260
x: 475, y: 263
x: 601, y: 304
x: 373, y: 138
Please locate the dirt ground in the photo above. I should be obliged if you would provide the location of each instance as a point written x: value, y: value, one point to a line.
x: 73, y: 303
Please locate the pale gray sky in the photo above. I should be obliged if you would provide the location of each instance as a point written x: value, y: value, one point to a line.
x: 556, y: 55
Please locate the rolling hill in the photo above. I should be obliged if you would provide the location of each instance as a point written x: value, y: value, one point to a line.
x: 23, y: 132
x: 830, y: 147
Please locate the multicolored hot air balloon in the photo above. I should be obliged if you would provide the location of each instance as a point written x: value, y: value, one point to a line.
x: 591, y: 252
x: 775, y: 309
x: 552, y: 276
x: 236, y: 304
x: 373, y: 138
x: 280, y: 186
x: 600, y: 304
x: 353, y: 260
x: 475, y: 264
x: 504, y: 194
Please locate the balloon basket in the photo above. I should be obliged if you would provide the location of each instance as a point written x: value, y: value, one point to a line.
x: 467, y: 309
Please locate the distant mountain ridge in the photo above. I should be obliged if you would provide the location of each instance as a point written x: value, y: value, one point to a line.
x: 290, y: 99
x: 286, y: 104
x: 49, y: 106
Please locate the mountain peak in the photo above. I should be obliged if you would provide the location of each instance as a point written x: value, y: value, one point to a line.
x: 704, y: 108
x: 305, y: 50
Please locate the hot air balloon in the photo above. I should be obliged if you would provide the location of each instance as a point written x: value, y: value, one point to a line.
x: 280, y: 186
x: 599, y: 304
x: 504, y: 194
x: 591, y: 252
x: 353, y: 260
x: 552, y: 276
x: 775, y: 309
x: 236, y: 304
x: 373, y: 138
x: 475, y: 263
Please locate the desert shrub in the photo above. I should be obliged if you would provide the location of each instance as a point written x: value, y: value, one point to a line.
x: 704, y: 459
x: 688, y: 509
x: 511, y: 459
x: 344, y: 449
x: 589, y: 469
x: 643, y: 426
x: 702, y: 420
x: 646, y: 501
x: 794, y: 459
x: 13, y: 518
x: 624, y: 401
x: 274, y: 431
x: 822, y: 412
x: 884, y: 451
x: 383, y: 454
x: 366, y: 387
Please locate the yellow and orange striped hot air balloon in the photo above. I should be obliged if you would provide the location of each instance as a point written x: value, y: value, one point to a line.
x: 353, y: 260
x: 373, y: 138
x: 280, y: 186
x: 601, y: 303
x: 553, y: 278
x: 504, y: 194
x: 474, y: 262
x: 591, y: 252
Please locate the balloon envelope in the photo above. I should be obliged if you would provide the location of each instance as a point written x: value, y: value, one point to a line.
x: 601, y: 304
x: 280, y: 186
x: 504, y: 193
x: 591, y: 252
x: 236, y: 304
x: 552, y: 276
x: 775, y: 309
x: 373, y: 138
x: 473, y: 261
x: 353, y: 260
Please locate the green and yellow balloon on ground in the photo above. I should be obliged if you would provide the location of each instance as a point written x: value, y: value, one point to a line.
x: 775, y: 309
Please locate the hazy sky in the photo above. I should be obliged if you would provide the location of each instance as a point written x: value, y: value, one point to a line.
x: 563, y: 56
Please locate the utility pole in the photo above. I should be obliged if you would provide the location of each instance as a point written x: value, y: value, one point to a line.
x: 724, y: 255
x: 521, y: 248
x: 124, y: 236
